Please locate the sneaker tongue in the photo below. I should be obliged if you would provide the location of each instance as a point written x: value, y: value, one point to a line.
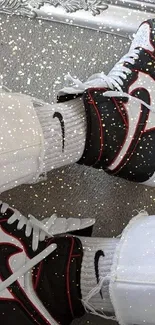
x: 142, y: 38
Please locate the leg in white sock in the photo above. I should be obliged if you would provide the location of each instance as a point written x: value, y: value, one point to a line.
x: 117, y: 275
x: 64, y: 130
x: 96, y: 265
x: 36, y: 137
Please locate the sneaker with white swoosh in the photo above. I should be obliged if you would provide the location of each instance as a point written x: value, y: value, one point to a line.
x: 120, y: 110
x: 39, y: 272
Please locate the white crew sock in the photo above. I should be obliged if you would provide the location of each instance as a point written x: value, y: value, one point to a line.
x: 94, y: 249
x: 59, y: 151
x: 37, y: 137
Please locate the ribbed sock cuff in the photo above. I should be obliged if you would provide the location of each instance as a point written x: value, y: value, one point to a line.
x: 64, y: 130
x: 96, y: 264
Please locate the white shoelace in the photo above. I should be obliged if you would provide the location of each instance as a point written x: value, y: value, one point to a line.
x: 39, y: 231
x: 2, y: 87
x: 113, y: 81
x: 89, y: 307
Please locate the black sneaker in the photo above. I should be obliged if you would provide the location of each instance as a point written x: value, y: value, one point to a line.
x: 39, y: 277
x: 121, y: 112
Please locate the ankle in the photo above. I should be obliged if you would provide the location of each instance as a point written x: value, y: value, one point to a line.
x: 96, y: 267
x: 65, y: 136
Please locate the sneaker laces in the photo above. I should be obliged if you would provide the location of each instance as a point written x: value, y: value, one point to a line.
x: 113, y: 81
x: 40, y: 230
x: 47, y: 227
x: 89, y: 308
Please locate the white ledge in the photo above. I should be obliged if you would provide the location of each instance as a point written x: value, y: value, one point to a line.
x: 121, y: 19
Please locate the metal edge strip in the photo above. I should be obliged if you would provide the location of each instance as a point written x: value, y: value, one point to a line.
x: 120, y: 20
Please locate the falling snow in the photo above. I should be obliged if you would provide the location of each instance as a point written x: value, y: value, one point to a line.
x: 35, y: 57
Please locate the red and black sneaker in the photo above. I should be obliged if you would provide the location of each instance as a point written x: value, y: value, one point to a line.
x: 39, y: 276
x: 120, y: 111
